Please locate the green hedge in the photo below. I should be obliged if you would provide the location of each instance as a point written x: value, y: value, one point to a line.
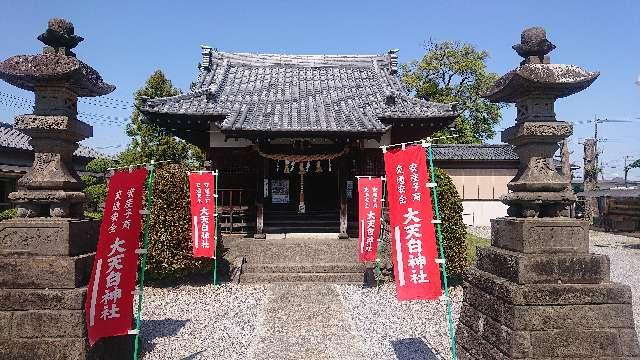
x: 454, y: 231
x: 169, y: 249
x: 7, y: 214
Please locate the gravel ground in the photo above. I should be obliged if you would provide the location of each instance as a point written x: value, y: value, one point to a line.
x: 392, y: 330
x: 200, y: 322
x: 258, y: 322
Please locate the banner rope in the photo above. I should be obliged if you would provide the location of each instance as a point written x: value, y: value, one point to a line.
x: 443, y: 265
x: 143, y: 265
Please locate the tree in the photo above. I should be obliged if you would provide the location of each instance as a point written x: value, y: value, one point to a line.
x: 148, y: 141
x: 456, y: 72
x: 95, y: 187
x: 633, y: 165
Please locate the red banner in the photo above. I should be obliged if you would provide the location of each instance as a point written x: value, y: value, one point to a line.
x: 202, y: 186
x: 109, y: 302
x: 369, y: 212
x: 412, y: 232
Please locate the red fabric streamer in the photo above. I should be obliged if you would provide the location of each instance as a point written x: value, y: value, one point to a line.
x: 109, y: 301
x: 413, y: 237
x: 369, y: 213
x: 203, y: 213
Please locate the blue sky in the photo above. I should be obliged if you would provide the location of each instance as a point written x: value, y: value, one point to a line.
x: 126, y: 41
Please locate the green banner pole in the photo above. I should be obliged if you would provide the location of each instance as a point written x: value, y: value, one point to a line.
x: 380, y: 243
x: 443, y: 265
x: 215, y: 251
x: 143, y: 265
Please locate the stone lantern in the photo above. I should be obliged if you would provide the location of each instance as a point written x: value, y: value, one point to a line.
x: 46, y: 254
x: 52, y: 187
x: 537, y: 292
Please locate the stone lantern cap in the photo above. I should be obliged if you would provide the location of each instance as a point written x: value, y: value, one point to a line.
x: 536, y: 75
x: 57, y: 65
x: 557, y: 80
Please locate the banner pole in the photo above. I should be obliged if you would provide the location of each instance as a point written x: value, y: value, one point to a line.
x: 380, y: 242
x: 443, y: 265
x: 215, y: 245
x: 144, y: 256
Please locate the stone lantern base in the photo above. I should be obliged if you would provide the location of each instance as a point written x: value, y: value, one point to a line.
x: 45, y: 265
x: 538, y: 293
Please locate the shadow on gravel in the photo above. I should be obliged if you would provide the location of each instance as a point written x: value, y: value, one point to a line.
x: 154, y: 329
x: 193, y: 356
x: 413, y: 349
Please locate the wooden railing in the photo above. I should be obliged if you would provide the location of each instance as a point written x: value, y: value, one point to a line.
x: 236, y: 208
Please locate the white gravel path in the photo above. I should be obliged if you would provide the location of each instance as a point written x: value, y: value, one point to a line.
x: 200, y: 322
x: 407, y: 330
x: 296, y: 321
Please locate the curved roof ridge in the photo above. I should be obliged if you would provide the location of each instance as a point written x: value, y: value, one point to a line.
x: 319, y: 60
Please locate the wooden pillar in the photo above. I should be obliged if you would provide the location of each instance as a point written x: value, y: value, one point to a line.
x: 342, y: 178
x: 260, y: 175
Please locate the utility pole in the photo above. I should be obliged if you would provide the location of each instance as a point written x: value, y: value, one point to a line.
x: 590, y: 177
x: 565, y: 161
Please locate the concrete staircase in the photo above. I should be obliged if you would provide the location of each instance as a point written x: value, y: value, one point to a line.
x: 297, y: 259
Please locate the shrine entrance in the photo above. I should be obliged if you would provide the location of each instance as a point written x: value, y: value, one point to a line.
x: 301, y: 189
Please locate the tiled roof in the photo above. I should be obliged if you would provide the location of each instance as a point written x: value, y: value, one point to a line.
x: 617, y: 193
x: 474, y: 152
x: 16, y: 140
x: 301, y: 93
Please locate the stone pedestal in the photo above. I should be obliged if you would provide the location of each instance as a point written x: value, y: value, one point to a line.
x: 45, y: 265
x: 537, y: 293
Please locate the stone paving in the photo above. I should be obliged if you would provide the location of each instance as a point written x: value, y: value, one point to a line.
x: 305, y: 321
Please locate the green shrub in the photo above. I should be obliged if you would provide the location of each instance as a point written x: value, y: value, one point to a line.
x: 170, y: 250
x: 96, y: 196
x: 100, y: 165
x: 453, y: 229
x: 7, y: 214
x: 88, y: 180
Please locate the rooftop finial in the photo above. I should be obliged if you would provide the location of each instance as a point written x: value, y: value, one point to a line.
x: 393, y: 60
x: 534, y: 46
x: 59, y: 37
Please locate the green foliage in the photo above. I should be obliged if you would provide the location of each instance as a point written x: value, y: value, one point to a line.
x: 96, y: 195
x: 100, y: 165
x: 95, y: 187
x: 474, y: 242
x: 454, y: 231
x: 88, y: 180
x: 7, y: 214
x: 148, y: 141
x: 456, y: 72
x: 170, y: 253
x: 95, y: 215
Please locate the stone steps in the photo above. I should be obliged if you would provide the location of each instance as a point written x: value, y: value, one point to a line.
x: 289, y: 277
x: 299, y: 260
x: 305, y: 268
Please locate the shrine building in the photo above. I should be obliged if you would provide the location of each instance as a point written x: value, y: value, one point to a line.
x: 290, y: 133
